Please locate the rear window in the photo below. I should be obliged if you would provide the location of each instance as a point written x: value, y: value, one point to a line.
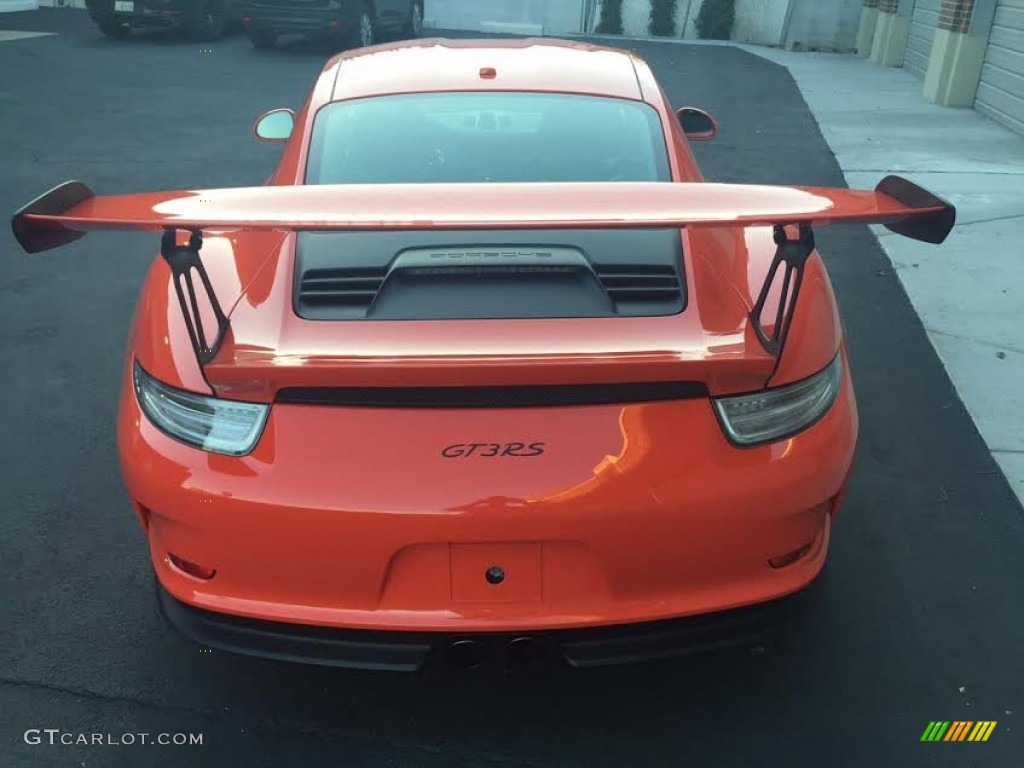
x: 486, y: 137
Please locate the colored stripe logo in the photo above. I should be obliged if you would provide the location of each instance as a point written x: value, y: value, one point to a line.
x: 958, y: 730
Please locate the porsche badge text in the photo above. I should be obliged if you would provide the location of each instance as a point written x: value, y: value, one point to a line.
x: 492, y: 450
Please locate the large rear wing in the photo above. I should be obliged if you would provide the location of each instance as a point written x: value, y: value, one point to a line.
x: 66, y: 212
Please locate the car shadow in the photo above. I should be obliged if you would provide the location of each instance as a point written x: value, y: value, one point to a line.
x: 169, y: 36
x: 322, y: 46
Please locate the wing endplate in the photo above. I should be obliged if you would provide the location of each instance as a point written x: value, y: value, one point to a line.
x: 932, y: 227
x: 35, y: 236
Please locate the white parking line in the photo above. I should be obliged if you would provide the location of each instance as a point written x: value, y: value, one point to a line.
x: 7, y: 35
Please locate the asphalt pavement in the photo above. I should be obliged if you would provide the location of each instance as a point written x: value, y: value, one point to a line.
x: 918, y: 617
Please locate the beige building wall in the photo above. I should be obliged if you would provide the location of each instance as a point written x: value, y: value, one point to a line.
x: 1000, y: 93
x: 969, y: 53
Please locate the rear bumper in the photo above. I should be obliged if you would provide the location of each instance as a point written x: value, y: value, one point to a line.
x: 413, y: 651
x: 353, y: 518
x: 285, y: 20
x: 143, y: 13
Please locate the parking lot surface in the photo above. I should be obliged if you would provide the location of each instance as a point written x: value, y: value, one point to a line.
x: 918, y: 617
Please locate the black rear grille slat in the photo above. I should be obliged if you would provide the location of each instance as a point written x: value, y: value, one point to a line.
x: 341, y: 290
x: 642, y: 289
x: 336, y: 300
x: 641, y: 295
x: 611, y: 283
x: 344, y: 273
x: 363, y: 286
x: 531, y: 396
x: 311, y: 281
x: 635, y: 270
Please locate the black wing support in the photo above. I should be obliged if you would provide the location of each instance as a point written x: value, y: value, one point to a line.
x: 932, y: 225
x: 792, y: 255
x: 183, y: 261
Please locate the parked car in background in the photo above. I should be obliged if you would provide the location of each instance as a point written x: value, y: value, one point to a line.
x: 202, y: 19
x: 357, y: 23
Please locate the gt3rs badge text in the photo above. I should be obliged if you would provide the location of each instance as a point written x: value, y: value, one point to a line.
x: 492, y: 450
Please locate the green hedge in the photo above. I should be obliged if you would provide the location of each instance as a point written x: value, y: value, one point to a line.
x: 715, y: 20
x: 663, y: 18
x: 611, y: 18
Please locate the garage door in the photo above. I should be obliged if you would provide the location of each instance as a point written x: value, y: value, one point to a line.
x: 1001, y: 90
x: 923, y: 24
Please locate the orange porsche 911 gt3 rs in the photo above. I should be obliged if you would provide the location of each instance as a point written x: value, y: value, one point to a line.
x: 485, y: 371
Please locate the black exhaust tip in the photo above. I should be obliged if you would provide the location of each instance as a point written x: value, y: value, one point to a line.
x: 468, y: 654
x: 525, y: 650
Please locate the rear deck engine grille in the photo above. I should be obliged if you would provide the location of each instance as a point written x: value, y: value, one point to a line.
x: 347, y: 288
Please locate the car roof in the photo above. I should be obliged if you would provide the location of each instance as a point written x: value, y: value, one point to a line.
x: 440, y: 64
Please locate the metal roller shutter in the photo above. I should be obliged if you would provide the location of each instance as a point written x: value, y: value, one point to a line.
x: 923, y: 24
x: 1001, y: 90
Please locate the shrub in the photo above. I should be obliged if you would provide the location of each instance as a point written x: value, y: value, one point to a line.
x: 715, y: 20
x: 611, y: 18
x: 663, y: 18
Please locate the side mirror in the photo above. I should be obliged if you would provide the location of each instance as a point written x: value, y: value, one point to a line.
x: 697, y: 124
x: 275, y: 125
